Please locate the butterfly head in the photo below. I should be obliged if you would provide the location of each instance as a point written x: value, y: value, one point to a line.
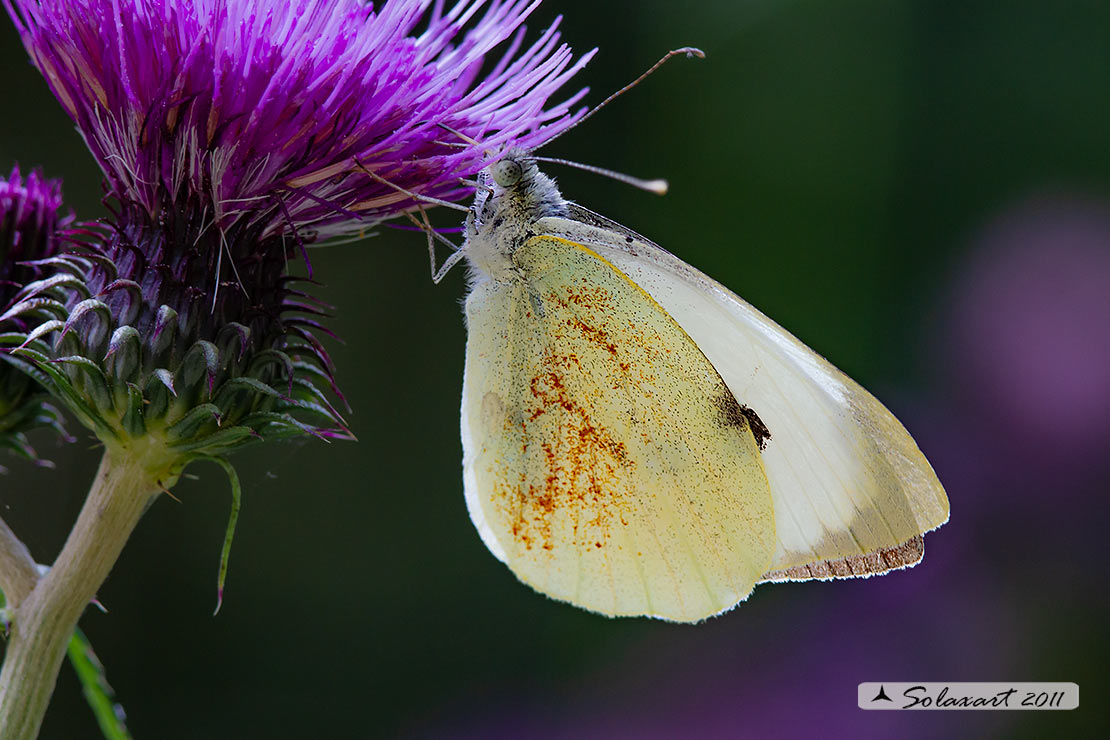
x: 512, y: 195
x: 515, y: 184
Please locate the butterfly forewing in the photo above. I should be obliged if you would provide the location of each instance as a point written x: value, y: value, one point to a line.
x: 605, y: 460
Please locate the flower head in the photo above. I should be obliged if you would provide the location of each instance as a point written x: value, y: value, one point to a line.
x: 268, y: 114
x: 29, y: 226
x: 230, y: 132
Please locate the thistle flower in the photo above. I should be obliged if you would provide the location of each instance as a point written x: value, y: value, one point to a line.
x: 29, y: 226
x: 230, y: 134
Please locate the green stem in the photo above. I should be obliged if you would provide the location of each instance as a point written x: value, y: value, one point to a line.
x: 94, y: 684
x: 43, y: 623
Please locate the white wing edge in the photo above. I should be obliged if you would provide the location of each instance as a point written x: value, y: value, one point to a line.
x: 471, y: 448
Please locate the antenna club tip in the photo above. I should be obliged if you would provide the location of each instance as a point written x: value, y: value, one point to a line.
x: 659, y: 187
x: 690, y: 52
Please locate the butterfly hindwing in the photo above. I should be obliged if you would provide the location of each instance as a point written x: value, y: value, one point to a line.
x: 852, y: 492
x: 605, y: 461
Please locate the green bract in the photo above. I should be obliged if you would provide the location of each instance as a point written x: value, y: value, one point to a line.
x: 145, y: 332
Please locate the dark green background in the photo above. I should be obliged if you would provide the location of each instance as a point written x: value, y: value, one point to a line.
x: 832, y: 162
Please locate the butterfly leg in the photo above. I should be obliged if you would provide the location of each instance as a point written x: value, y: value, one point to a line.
x: 433, y: 236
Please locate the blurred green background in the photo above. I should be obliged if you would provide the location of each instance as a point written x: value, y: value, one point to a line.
x: 918, y: 190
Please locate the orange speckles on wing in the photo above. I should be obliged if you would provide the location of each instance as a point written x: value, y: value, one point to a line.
x: 585, y: 470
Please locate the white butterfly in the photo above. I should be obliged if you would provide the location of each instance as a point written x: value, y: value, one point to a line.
x: 638, y: 440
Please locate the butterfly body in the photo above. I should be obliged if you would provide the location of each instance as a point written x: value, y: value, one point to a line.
x: 627, y: 447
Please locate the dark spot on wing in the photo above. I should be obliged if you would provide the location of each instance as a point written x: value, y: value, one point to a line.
x: 759, y: 430
x: 735, y: 414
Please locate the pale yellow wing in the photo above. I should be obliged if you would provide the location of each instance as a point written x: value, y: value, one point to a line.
x: 605, y: 461
x: 852, y: 492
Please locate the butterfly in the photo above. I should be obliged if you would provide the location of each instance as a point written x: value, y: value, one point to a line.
x: 639, y: 440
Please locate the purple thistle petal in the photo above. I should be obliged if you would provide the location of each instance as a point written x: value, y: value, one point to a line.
x: 233, y: 104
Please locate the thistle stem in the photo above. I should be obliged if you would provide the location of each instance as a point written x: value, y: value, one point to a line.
x: 44, y: 621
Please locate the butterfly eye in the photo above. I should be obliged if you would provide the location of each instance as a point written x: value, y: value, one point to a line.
x: 506, y: 172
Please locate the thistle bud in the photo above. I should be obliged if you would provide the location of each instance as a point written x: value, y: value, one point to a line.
x: 29, y: 229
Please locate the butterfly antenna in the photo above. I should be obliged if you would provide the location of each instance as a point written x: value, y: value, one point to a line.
x: 690, y: 53
x: 659, y: 187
